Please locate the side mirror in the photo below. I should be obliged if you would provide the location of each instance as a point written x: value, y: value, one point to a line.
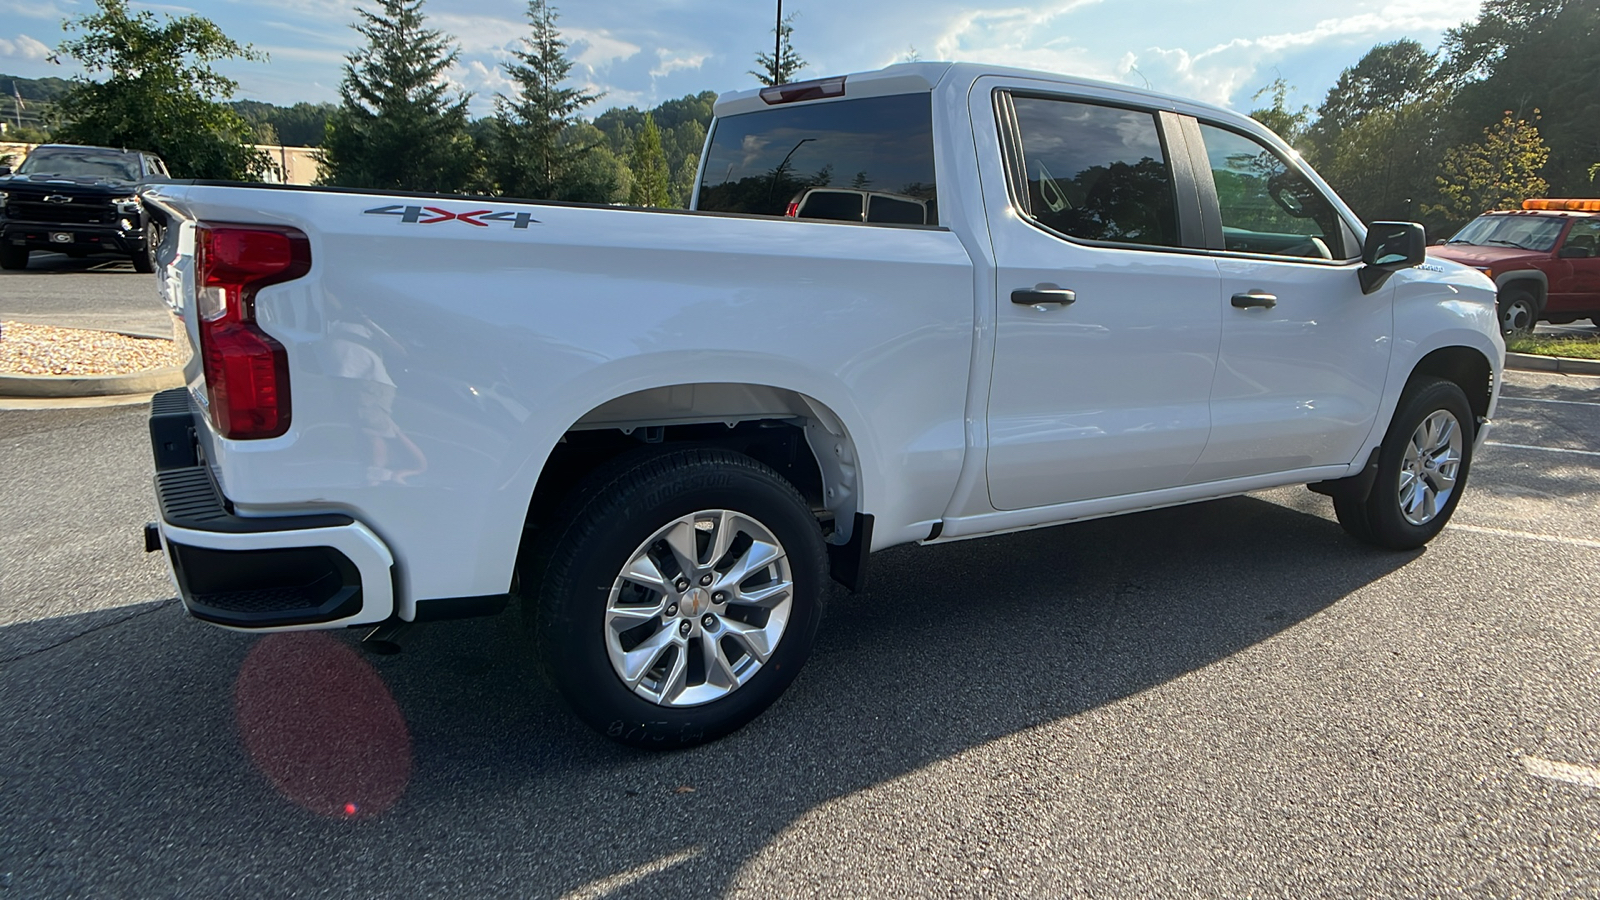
x: 1390, y: 247
x: 4, y: 171
x: 1575, y: 253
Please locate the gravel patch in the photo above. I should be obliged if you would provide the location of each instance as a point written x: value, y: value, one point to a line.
x: 48, y: 350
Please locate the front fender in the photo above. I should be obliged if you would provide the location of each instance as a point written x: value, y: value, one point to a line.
x: 1437, y: 305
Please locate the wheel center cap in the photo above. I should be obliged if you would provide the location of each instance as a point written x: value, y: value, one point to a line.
x: 696, y: 601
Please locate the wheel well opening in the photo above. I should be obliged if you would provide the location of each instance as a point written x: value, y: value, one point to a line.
x: 1532, y: 285
x: 1468, y: 368
x: 778, y: 443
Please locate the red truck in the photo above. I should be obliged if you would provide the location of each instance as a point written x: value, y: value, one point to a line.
x: 1544, y: 259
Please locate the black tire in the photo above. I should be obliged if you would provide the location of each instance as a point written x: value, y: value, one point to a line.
x: 1378, y: 518
x: 13, y: 257
x: 144, y: 260
x: 1519, y: 312
x: 1352, y: 513
x: 604, y: 523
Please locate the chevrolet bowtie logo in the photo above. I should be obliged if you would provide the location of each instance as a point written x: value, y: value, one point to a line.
x: 58, y: 198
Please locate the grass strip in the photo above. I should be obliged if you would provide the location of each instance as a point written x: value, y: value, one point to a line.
x: 1572, y: 346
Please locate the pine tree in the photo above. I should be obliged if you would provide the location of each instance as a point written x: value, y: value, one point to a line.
x: 530, y: 159
x: 649, y: 168
x: 398, y: 127
x: 787, y: 64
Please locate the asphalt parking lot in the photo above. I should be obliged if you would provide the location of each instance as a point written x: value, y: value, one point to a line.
x: 1228, y: 700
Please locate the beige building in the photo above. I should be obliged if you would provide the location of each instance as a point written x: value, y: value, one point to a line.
x: 297, y: 165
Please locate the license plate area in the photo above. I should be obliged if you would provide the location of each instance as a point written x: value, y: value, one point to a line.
x: 62, y: 237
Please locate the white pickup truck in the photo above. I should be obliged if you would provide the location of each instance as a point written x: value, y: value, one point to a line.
x: 663, y: 430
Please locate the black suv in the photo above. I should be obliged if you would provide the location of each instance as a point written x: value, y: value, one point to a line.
x: 79, y: 200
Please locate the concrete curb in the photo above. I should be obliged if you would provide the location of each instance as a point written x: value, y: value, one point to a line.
x: 1566, y: 365
x: 56, y: 387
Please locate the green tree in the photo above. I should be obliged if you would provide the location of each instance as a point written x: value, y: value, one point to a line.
x: 1386, y: 164
x: 397, y: 126
x: 1284, y: 122
x: 1498, y: 172
x: 300, y: 125
x: 782, y: 68
x: 528, y: 156
x: 682, y: 189
x: 1526, y: 54
x: 1387, y: 77
x: 597, y: 175
x: 649, y: 166
x: 160, y: 92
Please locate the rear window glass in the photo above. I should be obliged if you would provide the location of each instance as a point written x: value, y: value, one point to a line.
x: 1097, y: 172
x: 881, y: 208
x: 764, y: 163
x: 839, y: 205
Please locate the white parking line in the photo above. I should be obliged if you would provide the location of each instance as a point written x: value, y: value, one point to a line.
x: 613, y: 883
x: 1527, y: 536
x: 1558, y: 771
x: 1545, y: 449
x: 1503, y: 397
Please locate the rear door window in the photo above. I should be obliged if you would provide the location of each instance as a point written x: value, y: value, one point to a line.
x: 1098, y: 173
x: 768, y: 163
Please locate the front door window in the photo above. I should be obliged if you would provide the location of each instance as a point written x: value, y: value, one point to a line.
x: 1267, y: 206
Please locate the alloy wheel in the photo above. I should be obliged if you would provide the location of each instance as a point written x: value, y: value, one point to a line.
x: 1431, y: 467
x: 699, y: 608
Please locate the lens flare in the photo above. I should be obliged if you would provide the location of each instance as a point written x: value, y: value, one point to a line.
x: 321, y: 725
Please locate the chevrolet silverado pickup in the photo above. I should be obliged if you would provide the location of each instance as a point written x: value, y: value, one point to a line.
x: 662, y: 431
x: 79, y: 201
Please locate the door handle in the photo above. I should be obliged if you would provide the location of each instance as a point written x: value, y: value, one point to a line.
x: 1251, y: 299
x: 1038, y: 297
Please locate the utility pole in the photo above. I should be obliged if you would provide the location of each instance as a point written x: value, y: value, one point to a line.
x: 777, y: 46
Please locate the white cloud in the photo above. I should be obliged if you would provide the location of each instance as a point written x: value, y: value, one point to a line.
x: 24, y: 48
x: 479, y: 34
x: 49, y: 10
x: 991, y: 31
x: 670, y: 62
x: 1216, y: 74
x: 597, y: 49
x: 482, y: 79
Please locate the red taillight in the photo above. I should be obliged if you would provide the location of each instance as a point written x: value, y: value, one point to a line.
x: 794, y: 210
x: 247, y: 372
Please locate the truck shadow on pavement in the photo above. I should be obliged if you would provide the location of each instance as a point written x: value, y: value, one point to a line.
x: 123, y: 771
x: 42, y: 262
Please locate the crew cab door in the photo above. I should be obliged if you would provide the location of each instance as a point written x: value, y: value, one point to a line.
x: 1106, y: 326
x: 1575, y: 276
x: 1304, y: 352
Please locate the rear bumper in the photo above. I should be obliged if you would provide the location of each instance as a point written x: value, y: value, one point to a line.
x: 284, y: 573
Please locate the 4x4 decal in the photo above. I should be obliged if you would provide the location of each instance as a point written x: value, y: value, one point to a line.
x: 432, y: 215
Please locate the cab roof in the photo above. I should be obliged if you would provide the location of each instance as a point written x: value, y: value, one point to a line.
x: 918, y: 77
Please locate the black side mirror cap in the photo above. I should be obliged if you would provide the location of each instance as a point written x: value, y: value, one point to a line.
x: 1575, y: 253
x: 4, y: 171
x: 1390, y: 247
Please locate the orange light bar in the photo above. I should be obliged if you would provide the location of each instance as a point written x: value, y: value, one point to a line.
x: 1563, y: 205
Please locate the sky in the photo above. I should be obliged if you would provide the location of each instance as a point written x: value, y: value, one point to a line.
x: 641, y: 52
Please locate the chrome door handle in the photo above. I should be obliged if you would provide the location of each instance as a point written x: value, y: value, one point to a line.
x: 1037, y: 297
x: 1253, y: 299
